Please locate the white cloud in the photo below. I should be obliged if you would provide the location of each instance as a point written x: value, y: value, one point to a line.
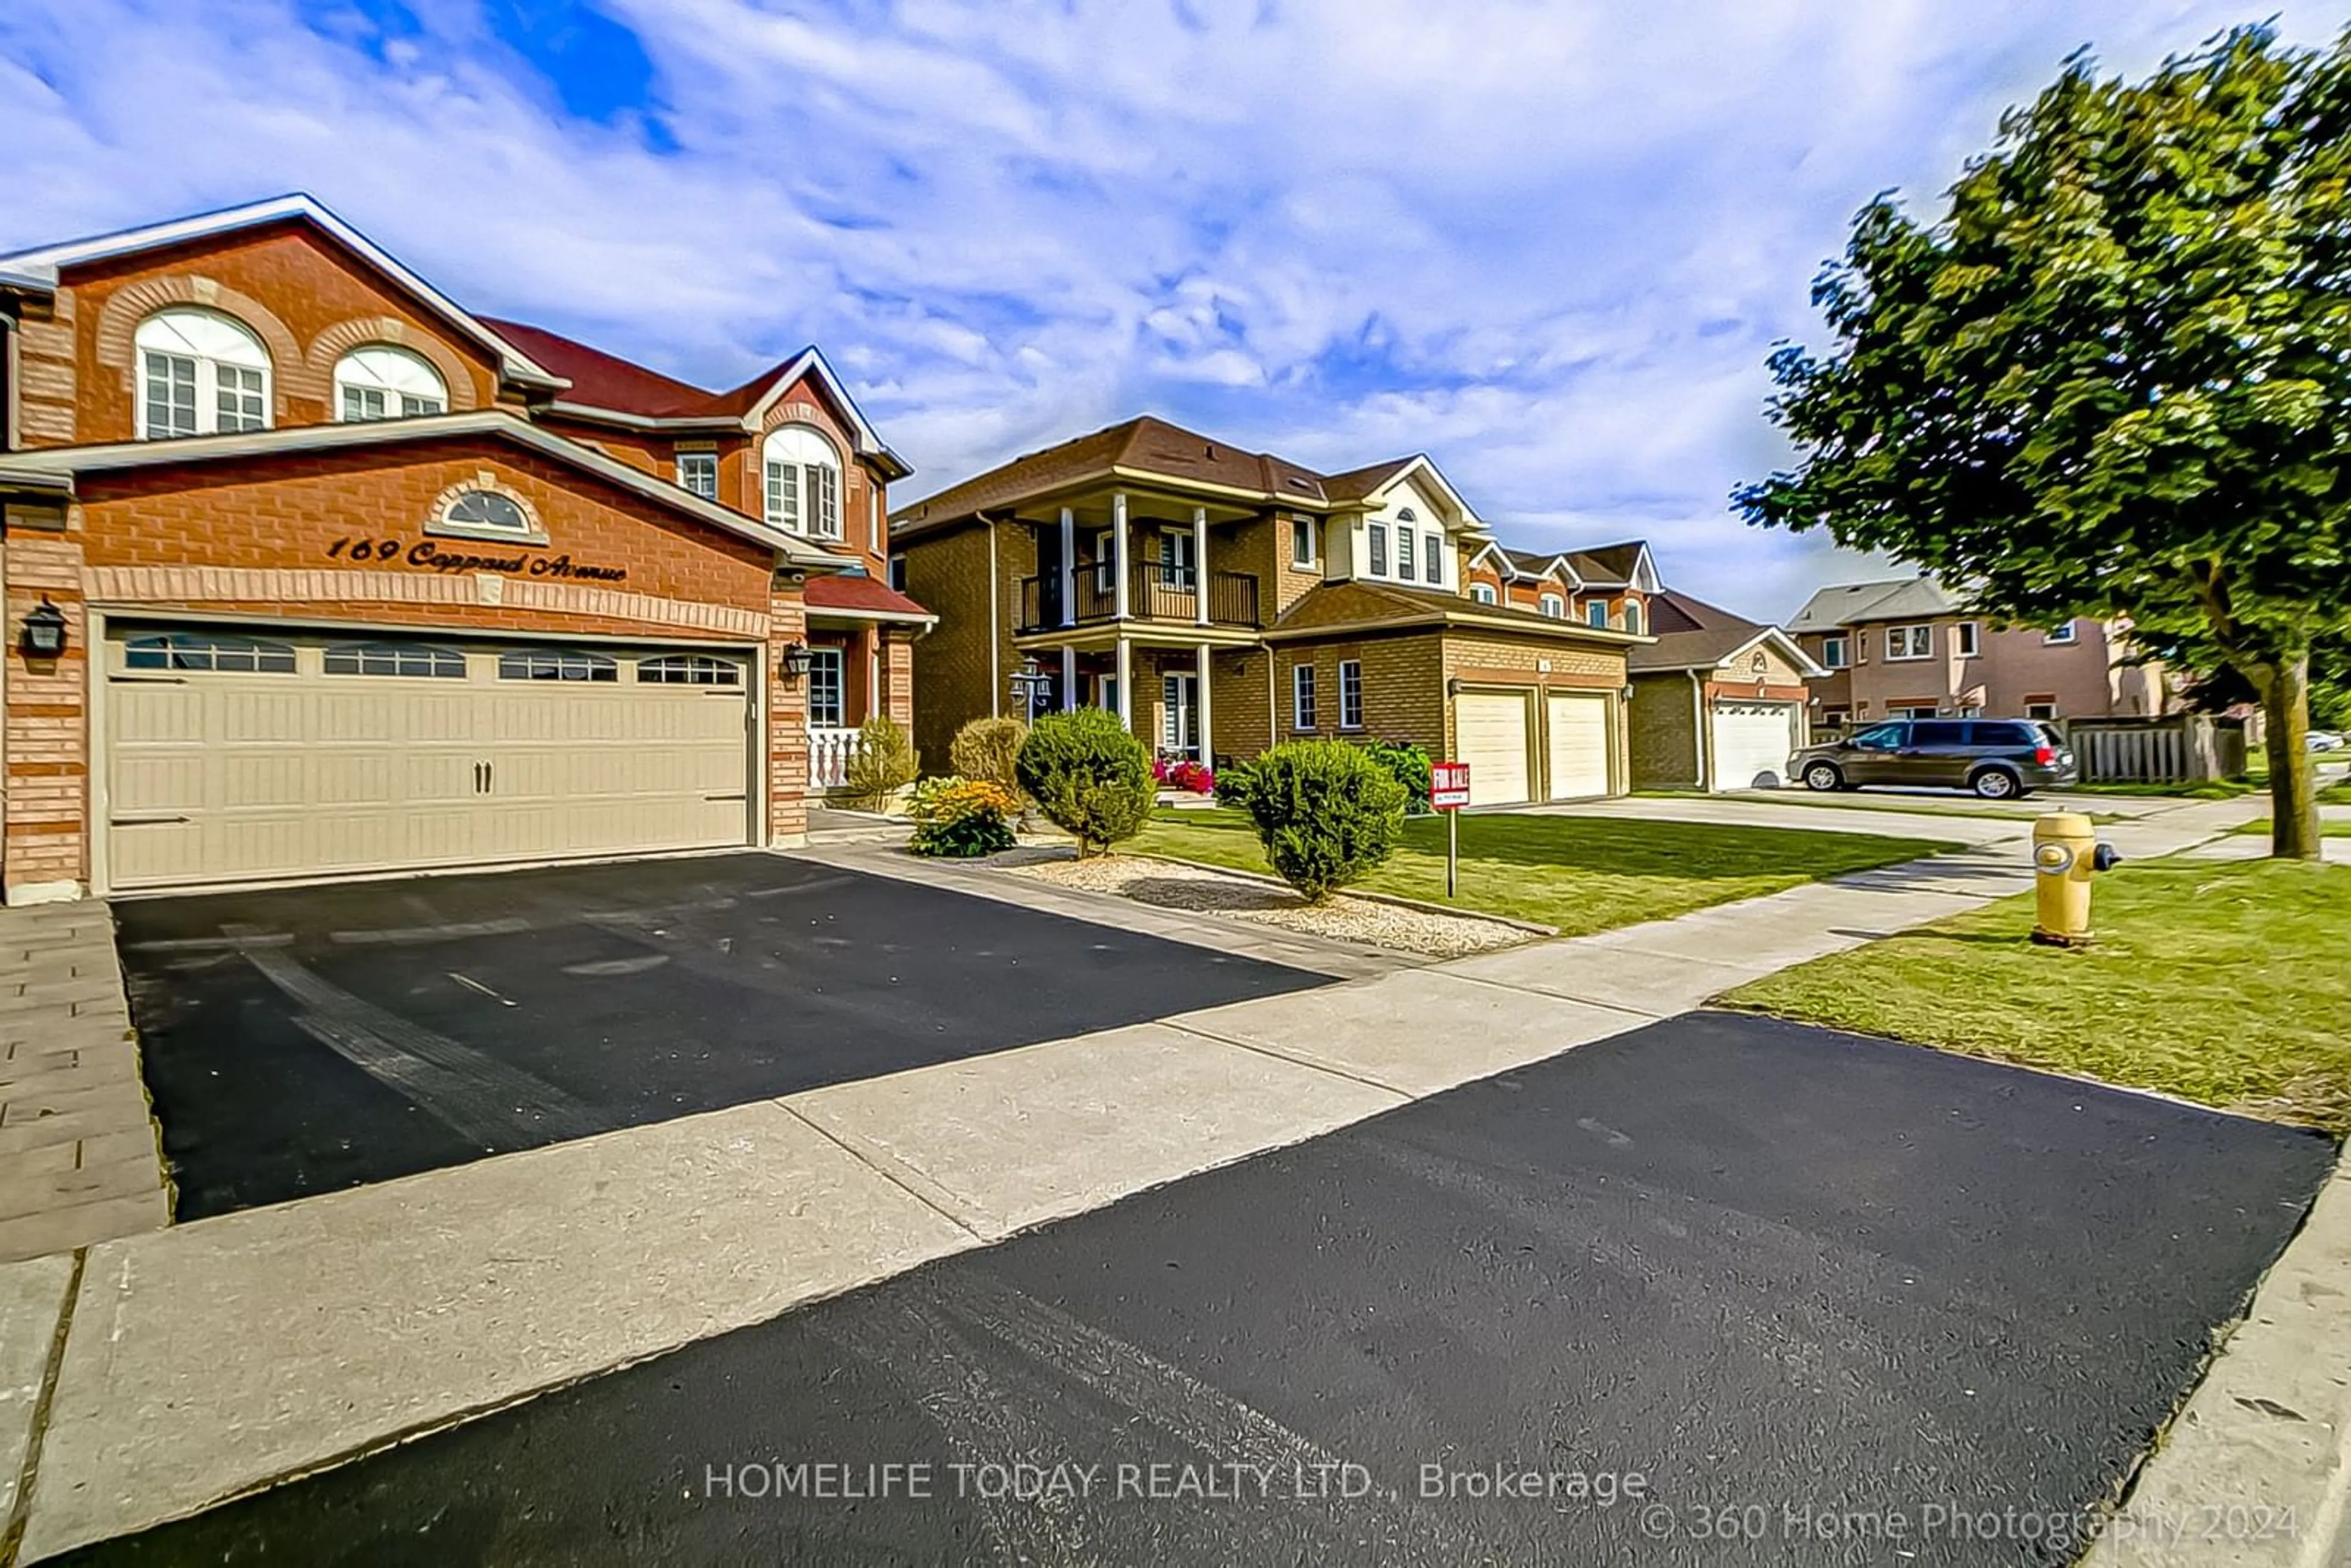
x: 1549, y: 242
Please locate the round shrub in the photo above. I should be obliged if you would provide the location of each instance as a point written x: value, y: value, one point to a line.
x: 1326, y: 813
x: 1088, y: 775
x: 989, y: 748
x: 961, y: 818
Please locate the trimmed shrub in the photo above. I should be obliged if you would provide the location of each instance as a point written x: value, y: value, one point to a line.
x: 1408, y: 764
x: 961, y: 818
x: 989, y: 748
x: 1088, y: 775
x: 1326, y: 812
x: 884, y: 764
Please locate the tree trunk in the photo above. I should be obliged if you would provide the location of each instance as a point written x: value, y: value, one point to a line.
x: 2293, y: 784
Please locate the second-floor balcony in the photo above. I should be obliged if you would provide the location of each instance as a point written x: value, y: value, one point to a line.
x: 1155, y: 592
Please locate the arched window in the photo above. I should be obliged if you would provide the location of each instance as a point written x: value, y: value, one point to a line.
x: 200, y: 372
x: 1632, y: 616
x: 803, y: 482
x: 1483, y: 592
x: 395, y: 659
x: 1553, y: 605
x: 383, y: 383
x: 556, y: 664
x: 486, y: 511
x: 689, y: 670
x: 197, y: 650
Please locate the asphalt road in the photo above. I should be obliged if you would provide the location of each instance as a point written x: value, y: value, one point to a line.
x: 1754, y: 1293
x: 300, y: 1041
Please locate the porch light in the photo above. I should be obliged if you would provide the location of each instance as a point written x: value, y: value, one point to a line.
x: 795, y: 663
x: 1626, y: 691
x: 44, y: 632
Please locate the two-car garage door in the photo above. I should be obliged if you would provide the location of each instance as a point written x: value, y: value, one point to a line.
x: 1492, y: 734
x: 230, y: 756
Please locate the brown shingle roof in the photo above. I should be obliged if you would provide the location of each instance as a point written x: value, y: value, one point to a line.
x: 1141, y: 445
x: 1691, y: 633
x: 599, y: 380
x: 1357, y: 483
x: 1359, y: 603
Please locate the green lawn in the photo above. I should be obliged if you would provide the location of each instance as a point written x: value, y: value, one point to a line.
x: 2218, y: 981
x: 2335, y: 794
x: 2203, y: 789
x: 2024, y: 810
x: 1579, y: 874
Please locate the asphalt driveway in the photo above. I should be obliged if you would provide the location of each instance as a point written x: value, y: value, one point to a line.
x: 1723, y: 1290
x: 299, y: 1041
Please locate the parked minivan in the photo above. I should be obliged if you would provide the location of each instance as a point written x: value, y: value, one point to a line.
x: 1998, y: 758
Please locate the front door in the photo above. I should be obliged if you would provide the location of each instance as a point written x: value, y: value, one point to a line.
x: 1179, y: 733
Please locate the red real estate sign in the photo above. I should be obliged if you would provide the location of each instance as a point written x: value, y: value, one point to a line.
x: 1449, y: 784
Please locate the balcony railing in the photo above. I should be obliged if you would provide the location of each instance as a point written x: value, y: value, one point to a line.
x: 1155, y: 593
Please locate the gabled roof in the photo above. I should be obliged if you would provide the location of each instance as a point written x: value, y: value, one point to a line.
x: 50, y: 463
x: 1357, y: 483
x: 1854, y: 604
x: 1626, y: 565
x: 1360, y: 605
x: 1139, y: 449
x: 44, y: 263
x: 1692, y: 634
x: 606, y: 387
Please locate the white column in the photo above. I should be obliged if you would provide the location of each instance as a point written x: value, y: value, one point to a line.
x: 1068, y: 574
x: 1200, y: 719
x: 1126, y: 674
x: 1200, y: 573
x: 1069, y: 678
x: 1118, y: 565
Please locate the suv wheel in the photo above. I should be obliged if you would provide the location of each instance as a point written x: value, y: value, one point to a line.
x: 1823, y: 777
x: 1996, y: 784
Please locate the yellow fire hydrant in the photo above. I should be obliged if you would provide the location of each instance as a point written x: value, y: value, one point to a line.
x: 2066, y: 853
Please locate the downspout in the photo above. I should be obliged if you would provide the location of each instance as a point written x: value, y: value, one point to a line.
x: 994, y: 622
x: 1698, y: 732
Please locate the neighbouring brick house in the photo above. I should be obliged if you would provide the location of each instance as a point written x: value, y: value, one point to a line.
x: 353, y: 580
x: 1907, y: 648
x: 1719, y: 701
x: 1220, y: 601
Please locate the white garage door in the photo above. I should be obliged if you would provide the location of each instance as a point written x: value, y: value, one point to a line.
x: 1579, y: 745
x: 1751, y: 743
x: 1491, y: 735
x: 235, y: 756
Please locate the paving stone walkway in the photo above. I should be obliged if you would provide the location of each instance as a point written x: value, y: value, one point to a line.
x: 77, y: 1153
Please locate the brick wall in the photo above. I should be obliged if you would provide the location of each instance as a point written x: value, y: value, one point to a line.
x: 1404, y: 688
x: 1664, y: 732
x: 307, y: 298
x: 953, y: 678
x: 47, y: 761
x: 787, y: 744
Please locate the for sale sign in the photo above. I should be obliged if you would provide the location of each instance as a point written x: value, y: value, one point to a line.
x: 1449, y: 784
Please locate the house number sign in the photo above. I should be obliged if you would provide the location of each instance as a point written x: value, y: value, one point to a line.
x: 426, y: 553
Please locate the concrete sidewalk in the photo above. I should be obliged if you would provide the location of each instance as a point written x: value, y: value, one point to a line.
x: 215, y: 1357
x: 78, y: 1155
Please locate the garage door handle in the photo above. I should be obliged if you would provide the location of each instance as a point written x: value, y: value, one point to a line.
x: 738, y: 795
x: 149, y: 680
x: 483, y: 773
x: 144, y: 822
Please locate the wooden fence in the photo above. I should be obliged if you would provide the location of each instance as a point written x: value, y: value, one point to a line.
x: 2178, y: 748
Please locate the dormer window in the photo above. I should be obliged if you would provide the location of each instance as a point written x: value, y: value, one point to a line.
x: 802, y: 482
x: 199, y: 373
x: 1595, y: 614
x: 1483, y: 592
x: 384, y: 383
x: 1632, y: 617
x: 1553, y: 605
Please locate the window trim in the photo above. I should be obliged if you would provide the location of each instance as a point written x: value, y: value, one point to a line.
x: 1483, y: 593
x: 1633, y: 617
x: 1407, y: 553
x: 688, y: 670
x: 819, y: 658
x: 341, y: 387
x: 1836, y: 652
x: 443, y: 663
x: 1302, y: 713
x: 1966, y: 640
x: 1433, y: 554
x: 1553, y: 605
x: 700, y: 460
x: 176, y: 646
x: 1375, y: 549
x: 1351, y: 702
x: 1894, y: 654
x: 203, y: 383
x: 815, y: 511
x: 520, y: 664
x: 2069, y: 635
x: 1303, y: 531
x: 531, y: 533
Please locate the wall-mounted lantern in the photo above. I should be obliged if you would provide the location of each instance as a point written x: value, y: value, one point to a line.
x: 796, y: 661
x: 44, y: 632
x: 1624, y: 692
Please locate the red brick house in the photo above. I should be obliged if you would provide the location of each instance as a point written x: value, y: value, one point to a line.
x: 350, y: 579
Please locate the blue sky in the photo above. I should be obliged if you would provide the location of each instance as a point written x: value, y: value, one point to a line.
x: 1549, y: 244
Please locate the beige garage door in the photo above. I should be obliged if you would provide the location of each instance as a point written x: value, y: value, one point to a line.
x: 1490, y: 734
x: 235, y: 756
x: 1579, y: 745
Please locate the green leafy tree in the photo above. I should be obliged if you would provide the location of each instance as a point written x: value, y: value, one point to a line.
x: 1328, y: 813
x: 2114, y: 377
x: 1089, y: 774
